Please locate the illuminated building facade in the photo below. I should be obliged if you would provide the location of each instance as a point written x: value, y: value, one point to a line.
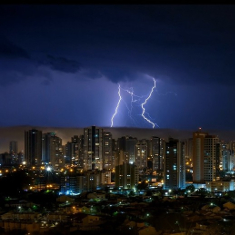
x: 13, y: 147
x: 141, y: 155
x: 52, y: 152
x: 220, y: 186
x: 108, y: 162
x: 126, y: 147
x: 174, y: 167
x: 157, y: 153
x: 126, y: 176
x: 93, y: 148
x: 227, y: 157
x: 198, y: 156
x: 33, y: 147
x: 211, y: 158
x: 13, y: 151
x: 206, y: 157
x: 74, y: 151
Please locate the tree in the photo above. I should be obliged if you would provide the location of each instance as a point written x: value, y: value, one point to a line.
x: 149, y: 193
x: 190, y: 188
x: 202, y: 192
x: 14, y: 183
x: 143, y: 185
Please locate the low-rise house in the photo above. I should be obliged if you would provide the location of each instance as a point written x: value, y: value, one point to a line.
x: 221, y: 186
x: 140, y: 227
x: 94, y: 195
x: 84, y: 209
x: 10, y: 225
x: 21, y: 216
x: 87, y: 222
x: 201, y: 226
x: 14, y: 203
x: 57, y: 217
x: 229, y: 205
x: 212, y: 208
x: 64, y: 199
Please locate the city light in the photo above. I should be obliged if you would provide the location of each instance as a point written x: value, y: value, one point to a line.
x: 48, y: 168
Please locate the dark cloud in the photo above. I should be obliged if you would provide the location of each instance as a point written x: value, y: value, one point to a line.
x: 9, y: 49
x: 117, y: 75
x: 61, y: 64
x: 189, y: 49
x: 91, y: 73
x: 14, y: 70
x: 17, y: 65
x: 46, y: 82
x: 187, y: 44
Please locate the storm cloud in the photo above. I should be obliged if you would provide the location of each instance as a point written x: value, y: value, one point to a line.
x: 61, y: 64
x: 70, y: 59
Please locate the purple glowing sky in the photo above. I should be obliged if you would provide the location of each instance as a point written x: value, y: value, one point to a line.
x: 61, y: 65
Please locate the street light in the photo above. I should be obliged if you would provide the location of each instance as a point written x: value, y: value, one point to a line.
x: 48, y: 168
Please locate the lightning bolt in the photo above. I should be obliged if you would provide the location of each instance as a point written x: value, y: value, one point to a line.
x: 145, y: 102
x: 130, y: 91
x: 132, y: 100
x: 116, y: 109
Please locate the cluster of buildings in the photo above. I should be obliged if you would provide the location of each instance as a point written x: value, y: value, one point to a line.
x: 95, y: 159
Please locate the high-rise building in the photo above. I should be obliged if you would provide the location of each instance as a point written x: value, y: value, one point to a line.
x: 174, y: 166
x: 189, y: 148
x: 105, y: 177
x: 227, y: 157
x: 130, y: 148
x: 108, y: 162
x: 126, y: 150
x: 211, y: 158
x: 46, y: 148
x: 78, y: 181
x: 52, y: 150
x: 126, y: 176
x: 93, y: 148
x: 198, y: 156
x: 206, y: 157
x: 69, y: 152
x: 120, y: 155
x: 13, y: 147
x: 92, y: 180
x: 73, y: 151
x: 13, y: 151
x: 20, y: 157
x: 115, y: 154
x: 71, y: 183
x: 5, y: 159
x: 33, y: 147
x: 157, y: 153
x: 141, y: 155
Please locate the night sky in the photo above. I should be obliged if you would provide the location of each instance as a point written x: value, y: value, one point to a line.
x: 61, y: 65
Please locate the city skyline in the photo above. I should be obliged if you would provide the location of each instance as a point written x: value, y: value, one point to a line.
x: 96, y: 150
x: 9, y: 134
x: 68, y: 65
